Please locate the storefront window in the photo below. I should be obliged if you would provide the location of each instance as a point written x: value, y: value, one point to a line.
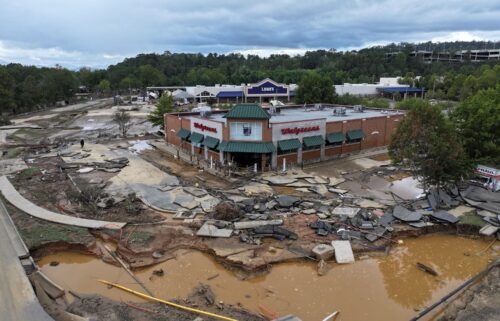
x: 245, y: 131
x: 289, y: 151
x: 304, y: 148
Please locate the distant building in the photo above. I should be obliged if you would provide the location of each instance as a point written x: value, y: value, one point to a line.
x: 249, y: 135
x: 385, y: 85
x: 262, y: 92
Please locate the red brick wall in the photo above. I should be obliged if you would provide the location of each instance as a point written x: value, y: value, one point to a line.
x: 349, y: 148
x: 374, y: 125
x: 332, y: 151
x: 311, y: 155
x: 290, y: 159
x: 215, y: 155
x: 391, y: 124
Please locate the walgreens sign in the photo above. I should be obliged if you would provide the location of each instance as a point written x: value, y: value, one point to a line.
x: 205, y: 128
x: 298, y: 130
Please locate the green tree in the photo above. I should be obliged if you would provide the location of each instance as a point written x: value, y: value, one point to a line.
x: 429, y: 145
x: 104, y: 85
x: 314, y: 88
x: 150, y: 76
x: 410, y: 103
x: 7, y: 100
x: 122, y: 119
x: 478, y: 122
x: 165, y: 105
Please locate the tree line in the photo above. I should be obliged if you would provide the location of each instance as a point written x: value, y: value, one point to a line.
x: 24, y: 88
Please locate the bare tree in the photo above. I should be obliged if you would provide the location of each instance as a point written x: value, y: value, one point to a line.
x: 122, y: 118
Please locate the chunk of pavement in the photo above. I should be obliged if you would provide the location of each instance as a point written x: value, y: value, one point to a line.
x: 279, y: 180
x: 85, y: 170
x: 255, y: 224
x: 444, y: 216
x: 307, y: 204
x: 303, y: 190
x: 237, y: 198
x: 406, y: 215
x: 334, y: 181
x: 197, y: 192
x: 488, y: 230
x: 346, y: 211
x: 316, y: 180
x: 375, y: 234
x: 211, y: 230
x: 461, y: 210
x: 170, y: 180
x: 287, y: 201
x: 208, y: 203
x: 274, y: 231
x: 319, y: 189
x: 343, y: 252
x: 485, y: 213
x: 365, y: 203
x: 386, y: 219
x: 309, y: 211
x: 337, y: 190
x: 185, y: 202
x: 323, y: 267
x: 323, y: 251
x: 271, y: 204
x: 420, y: 224
x: 253, y: 189
x: 299, y: 184
x: 182, y: 215
x: 492, y: 220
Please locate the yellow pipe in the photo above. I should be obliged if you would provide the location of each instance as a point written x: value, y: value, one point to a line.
x: 145, y: 296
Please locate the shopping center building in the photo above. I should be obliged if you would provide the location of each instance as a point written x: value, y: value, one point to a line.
x: 249, y: 134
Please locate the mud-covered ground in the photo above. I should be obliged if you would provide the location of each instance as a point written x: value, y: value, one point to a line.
x: 478, y: 302
x: 100, y: 308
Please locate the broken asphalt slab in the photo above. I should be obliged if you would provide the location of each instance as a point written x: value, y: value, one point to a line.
x: 406, y: 215
x: 210, y: 230
x: 343, y: 252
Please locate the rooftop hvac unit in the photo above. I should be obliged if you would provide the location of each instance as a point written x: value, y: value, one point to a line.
x: 318, y: 107
x: 339, y: 111
x: 272, y: 109
x: 359, y: 108
x: 205, y: 113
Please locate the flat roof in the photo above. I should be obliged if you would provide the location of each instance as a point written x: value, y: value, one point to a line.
x: 300, y: 114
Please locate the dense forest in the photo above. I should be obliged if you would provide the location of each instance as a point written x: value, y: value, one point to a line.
x: 24, y: 88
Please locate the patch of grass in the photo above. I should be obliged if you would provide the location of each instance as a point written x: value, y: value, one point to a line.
x: 472, y: 219
x: 13, y: 152
x: 28, y: 172
x: 36, y: 235
x: 141, y: 237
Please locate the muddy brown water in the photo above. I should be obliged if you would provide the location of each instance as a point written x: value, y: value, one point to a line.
x: 381, y: 288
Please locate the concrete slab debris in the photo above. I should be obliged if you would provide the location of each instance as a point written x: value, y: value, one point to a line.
x: 85, y: 170
x: 208, y: 203
x: 279, y: 180
x: 488, y: 230
x: 211, y: 230
x: 337, y: 190
x: 287, y: 201
x: 182, y: 215
x: 299, y: 184
x: 237, y: 198
x: 365, y: 203
x: 289, y: 317
x: 444, y: 217
x: 323, y: 251
x: 461, y: 210
x: 254, y: 189
x: 406, y: 215
x: 420, y: 224
x: 375, y: 234
x: 319, y: 189
x: 343, y: 252
x: 197, y: 192
x: 254, y: 224
x: 334, y: 181
x: 346, y: 211
x: 9, y: 166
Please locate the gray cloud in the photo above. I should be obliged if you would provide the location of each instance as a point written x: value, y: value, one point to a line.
x: 98, y: 33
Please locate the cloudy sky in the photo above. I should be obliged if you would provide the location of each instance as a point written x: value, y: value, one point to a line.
x: 97, y: 33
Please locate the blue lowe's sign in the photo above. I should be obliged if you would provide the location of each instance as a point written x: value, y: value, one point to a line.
x: 268, y: 88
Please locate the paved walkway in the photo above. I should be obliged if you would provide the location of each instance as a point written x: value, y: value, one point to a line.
x: 16, y: 199
x: 17, y: 298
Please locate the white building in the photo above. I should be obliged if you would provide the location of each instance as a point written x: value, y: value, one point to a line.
x: 368, y: 89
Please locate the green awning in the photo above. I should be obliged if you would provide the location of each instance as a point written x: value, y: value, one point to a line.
x: 355, y: 134
x: 289, y: 144
x: 196, y: 138
x: 210, y: 142
x: 246, y: 147
x: 337, y: 137
x: 313, y: 141
x: 183, y: 133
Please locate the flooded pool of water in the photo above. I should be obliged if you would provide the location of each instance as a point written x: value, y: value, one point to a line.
x: 384, y: 288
